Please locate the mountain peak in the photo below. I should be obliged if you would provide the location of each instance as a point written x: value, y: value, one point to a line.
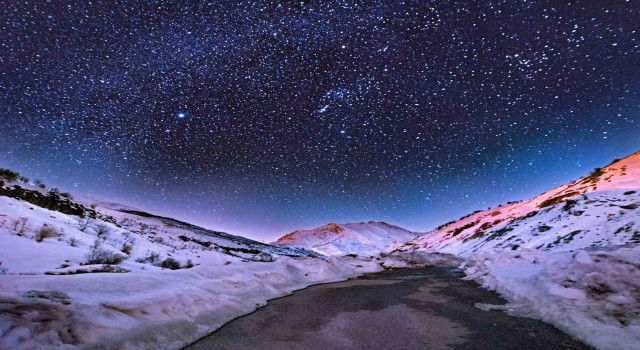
x: 363, y: 238
x: 333, y: 227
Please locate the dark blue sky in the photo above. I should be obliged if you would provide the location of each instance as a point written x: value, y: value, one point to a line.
x: 261, y: 117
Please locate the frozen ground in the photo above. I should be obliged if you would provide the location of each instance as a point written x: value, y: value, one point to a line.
x: 422, y: 308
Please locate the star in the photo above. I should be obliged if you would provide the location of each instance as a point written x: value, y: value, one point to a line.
x: 249, y: 111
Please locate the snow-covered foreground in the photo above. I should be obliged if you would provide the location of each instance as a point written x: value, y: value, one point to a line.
x: 592, y: 295
x: 52, y: 296
x: 148, y: 309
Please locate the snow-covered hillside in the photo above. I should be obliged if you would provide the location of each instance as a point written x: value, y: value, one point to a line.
x: 364, y: 238
x: 115, y: 277
x: 598, y: 210
x: 570, y: 256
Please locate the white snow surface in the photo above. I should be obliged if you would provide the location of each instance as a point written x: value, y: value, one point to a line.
x: 50, y: 298
x: 592, y: 295
x: 364, y: 239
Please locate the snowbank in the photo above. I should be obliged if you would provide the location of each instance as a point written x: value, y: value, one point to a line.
x: 149, y: 309
x: 592, y: 295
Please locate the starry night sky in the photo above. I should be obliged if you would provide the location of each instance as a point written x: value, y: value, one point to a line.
x: 261, y: 117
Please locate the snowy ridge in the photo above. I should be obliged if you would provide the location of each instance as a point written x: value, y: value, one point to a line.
x: 364, y: 238
x: 597, y: 210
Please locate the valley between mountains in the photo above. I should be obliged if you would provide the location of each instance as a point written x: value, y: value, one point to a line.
x: 80, y: 273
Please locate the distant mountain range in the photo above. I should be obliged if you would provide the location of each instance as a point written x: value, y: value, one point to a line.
x: 597, y: 210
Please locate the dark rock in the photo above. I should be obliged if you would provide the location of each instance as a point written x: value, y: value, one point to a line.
x: 51, y: 200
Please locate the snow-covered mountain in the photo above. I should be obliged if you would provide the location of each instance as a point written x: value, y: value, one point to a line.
x: 601, y: 209
x: 364, y: 238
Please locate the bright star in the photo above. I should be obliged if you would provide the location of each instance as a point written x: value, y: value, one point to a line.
x: 181, y: 115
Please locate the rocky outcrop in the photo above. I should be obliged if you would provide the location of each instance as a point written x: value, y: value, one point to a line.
x: 51, y: 200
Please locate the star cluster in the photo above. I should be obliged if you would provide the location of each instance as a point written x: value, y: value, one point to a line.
x: 263, y: 116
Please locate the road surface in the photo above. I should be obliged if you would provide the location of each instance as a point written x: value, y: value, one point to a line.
x: 426, y: 308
